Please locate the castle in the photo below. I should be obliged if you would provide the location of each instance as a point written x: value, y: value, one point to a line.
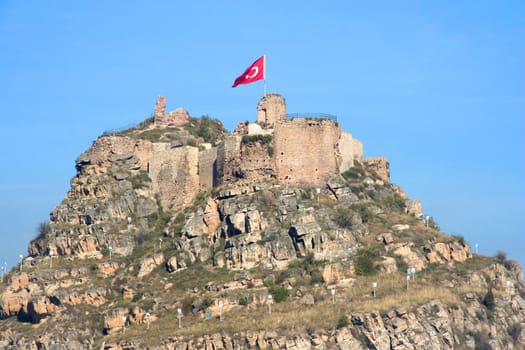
x: 306, y: 151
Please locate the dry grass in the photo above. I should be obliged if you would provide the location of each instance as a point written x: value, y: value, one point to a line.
x: 291, y: 317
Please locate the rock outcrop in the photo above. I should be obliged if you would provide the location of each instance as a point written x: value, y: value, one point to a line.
x: 289, y: 252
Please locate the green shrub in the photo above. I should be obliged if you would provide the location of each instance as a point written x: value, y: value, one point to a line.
x: 501, y: 256
x: 342, y: 322
x: 488, y: 300
x: 43, y: 230
x: 264, y: 139
x: 245, y: 300
x: 207, y: 301
x: 279, y: 294
x: 343, y: 217
x: 352, y: 173
x: 208, y: 129
x: 366, y: 262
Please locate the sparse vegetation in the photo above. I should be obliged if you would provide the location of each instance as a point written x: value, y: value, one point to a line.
x: 393, y: 202
x: 245, y: 300
x: 279, y: 293
x: 488, y: 300
x: 140, y: 180
x: 43, y: 230
x: 343, y: 217
x: 342, y: 322
x: 366, y: 262
x: 208, y: 129
x: 264, y: 139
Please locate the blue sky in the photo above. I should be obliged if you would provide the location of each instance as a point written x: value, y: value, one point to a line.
x: 438, y: 87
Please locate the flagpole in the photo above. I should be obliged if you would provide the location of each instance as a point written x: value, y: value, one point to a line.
x: 264, y: 74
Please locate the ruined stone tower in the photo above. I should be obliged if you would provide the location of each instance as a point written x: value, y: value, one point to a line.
x: 271, y: 108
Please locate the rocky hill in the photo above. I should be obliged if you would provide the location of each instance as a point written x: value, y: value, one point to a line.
x: 177, y: 235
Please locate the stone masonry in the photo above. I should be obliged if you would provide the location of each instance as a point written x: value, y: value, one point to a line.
x: 305, y: 150
x: 179, y: 117
x: 271, y: 109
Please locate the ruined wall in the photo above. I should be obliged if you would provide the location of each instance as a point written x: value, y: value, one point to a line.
x: 227, y: 163
x: 174, y: 173
x: 305, y: 150
x: 348, y: 150
x: 207, y: 168
x: 107, y: 149
x: 271, y: 109
x: 380, y: 165
x: 179, y: 117
x: 256, y: 161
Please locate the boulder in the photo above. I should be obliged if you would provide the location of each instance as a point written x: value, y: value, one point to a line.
x: 149, y: 263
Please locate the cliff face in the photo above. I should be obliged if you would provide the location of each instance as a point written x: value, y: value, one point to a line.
x: 144, y: 251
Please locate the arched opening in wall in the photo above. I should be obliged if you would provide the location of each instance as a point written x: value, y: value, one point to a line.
x: 313, y: 243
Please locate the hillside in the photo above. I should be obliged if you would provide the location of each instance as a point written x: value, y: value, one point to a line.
x: 177, y: 235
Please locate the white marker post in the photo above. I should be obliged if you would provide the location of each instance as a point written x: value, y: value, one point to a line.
x: 318, y: 190
x: 160, y: 243
x: 147, y: 319
x: 220, y: 311
x: 124, y: 319
x: 270, y: 299
x: 110, y: 248
x: 51, y: 259
x: 20, y: 260
x: 374, y: 286
x: 179, y: 316
x: 413, y: 273
x: 332, y: 291
x: 427, y: 218
x: 408, y: 281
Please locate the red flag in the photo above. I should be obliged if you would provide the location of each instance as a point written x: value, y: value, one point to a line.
x: 252, y: 73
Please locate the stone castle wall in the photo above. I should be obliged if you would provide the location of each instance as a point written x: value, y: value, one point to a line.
x: 305, y: 150
x: 228, y: 158
x: 256, y: 162
x: 348, y: 150
x: 207, y: 169
x: 380, y: 165
x: 174, y: 174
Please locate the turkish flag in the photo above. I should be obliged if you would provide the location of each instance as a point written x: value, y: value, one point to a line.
x: 252, y: 73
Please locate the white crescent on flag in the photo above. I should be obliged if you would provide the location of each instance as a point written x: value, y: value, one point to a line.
x: 255, y: 72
